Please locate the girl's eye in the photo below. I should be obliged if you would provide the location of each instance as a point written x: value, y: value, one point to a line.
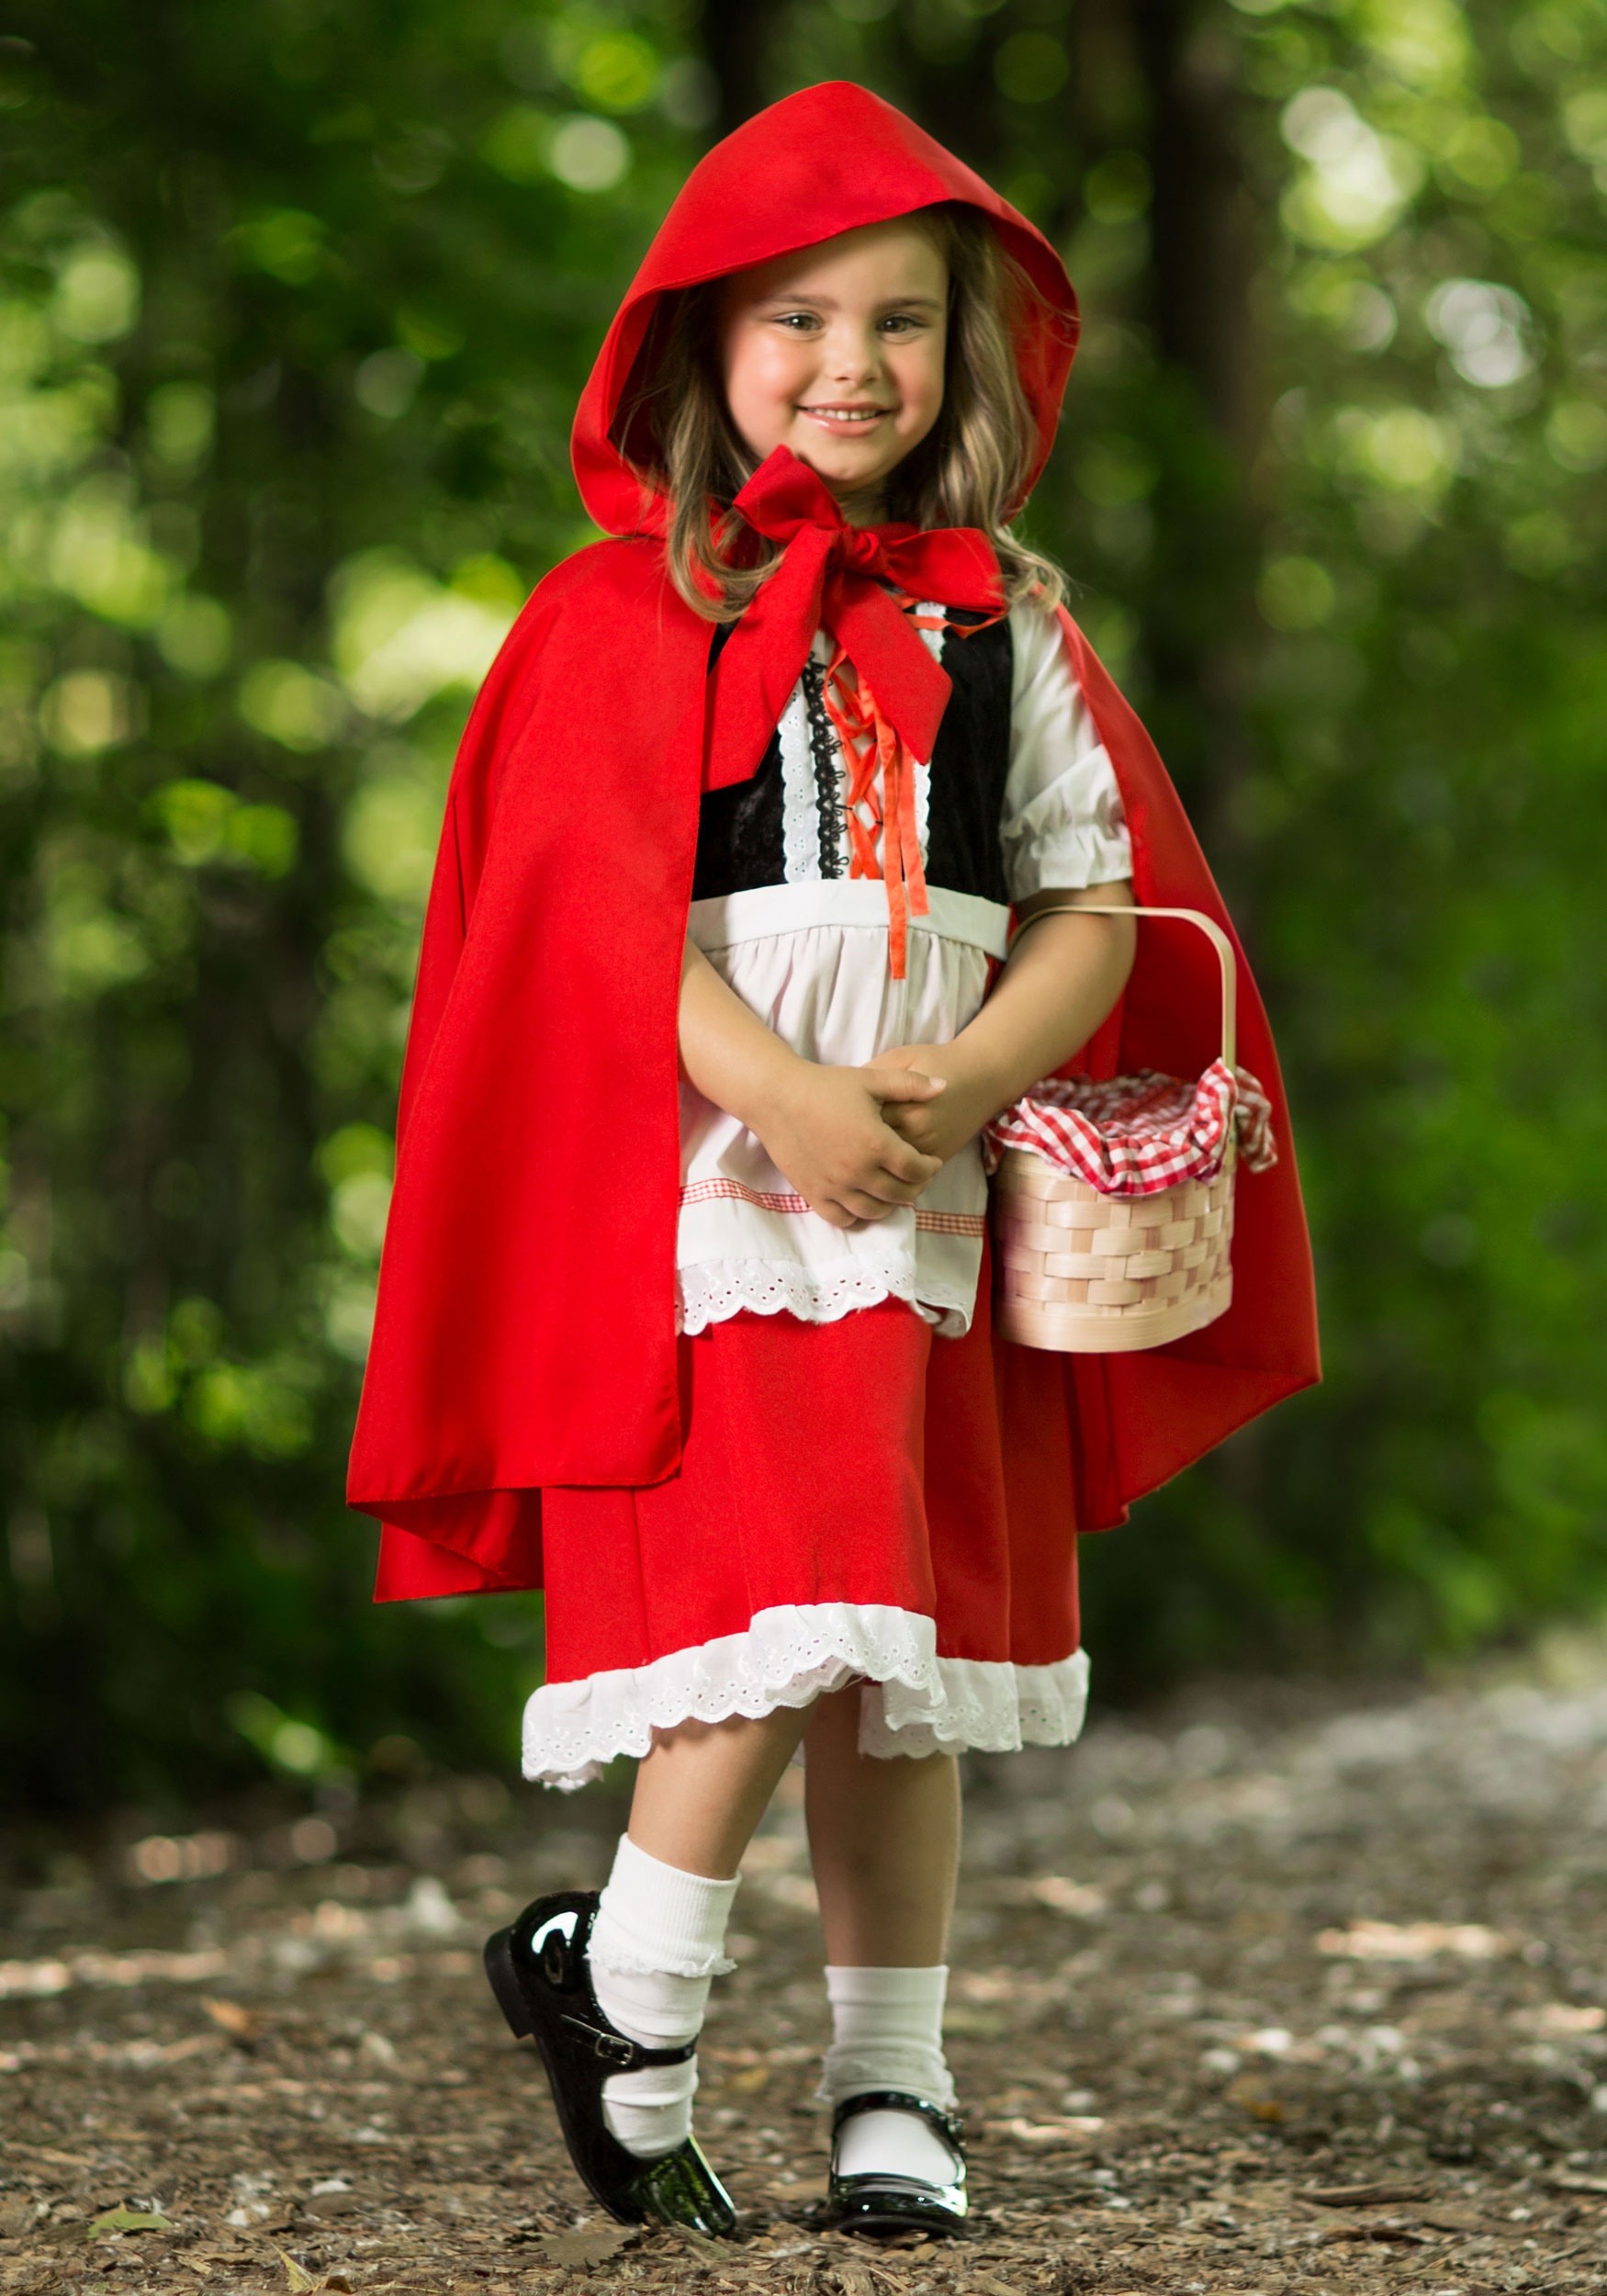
x: 803, y: 322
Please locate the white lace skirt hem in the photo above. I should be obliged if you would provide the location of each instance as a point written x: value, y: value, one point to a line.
x: 711, y: 1291
x: 913, y: 1701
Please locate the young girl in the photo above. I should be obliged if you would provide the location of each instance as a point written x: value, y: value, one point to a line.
x: 684, y: 1310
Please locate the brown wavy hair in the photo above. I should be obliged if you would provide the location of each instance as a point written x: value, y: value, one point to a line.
x: 969, y: 471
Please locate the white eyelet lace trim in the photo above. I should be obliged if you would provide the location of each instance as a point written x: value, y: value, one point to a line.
x: 711, y: 1292
x: 913, y: 1701
x: 987, y: 1704
x: 800, y: 797
x: 928, y: 609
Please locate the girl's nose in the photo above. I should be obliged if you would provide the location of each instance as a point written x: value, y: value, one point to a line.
x: 852, y: 358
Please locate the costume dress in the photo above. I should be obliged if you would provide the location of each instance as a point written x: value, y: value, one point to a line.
x: 752, y: 1579
x: 749, y: 1462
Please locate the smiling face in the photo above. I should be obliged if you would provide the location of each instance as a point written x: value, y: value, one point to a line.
x: 837, y: 353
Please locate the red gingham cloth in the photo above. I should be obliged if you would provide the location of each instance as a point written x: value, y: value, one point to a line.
x: 1139, y: 1134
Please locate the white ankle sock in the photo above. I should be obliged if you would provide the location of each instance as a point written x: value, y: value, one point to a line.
x: 887, y: 2028
x: 655, y: 1945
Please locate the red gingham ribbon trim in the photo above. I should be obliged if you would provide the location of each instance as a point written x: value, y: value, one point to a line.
x: 711, y: 1191
x: 707, y: 1191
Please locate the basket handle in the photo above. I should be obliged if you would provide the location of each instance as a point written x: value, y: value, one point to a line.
x: 1211, y: 930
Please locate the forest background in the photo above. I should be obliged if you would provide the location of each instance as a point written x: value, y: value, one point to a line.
x: 295, y: 304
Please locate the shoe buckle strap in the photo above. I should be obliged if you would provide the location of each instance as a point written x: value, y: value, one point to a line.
x: 619, y: 2050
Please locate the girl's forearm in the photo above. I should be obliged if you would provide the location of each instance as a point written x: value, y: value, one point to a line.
x: 825, y: 1128
x: 1063, y: 978
x: 725, y: 1049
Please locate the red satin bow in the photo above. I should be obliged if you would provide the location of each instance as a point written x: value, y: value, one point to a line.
x: 832, y: 576
x: 848, y: 580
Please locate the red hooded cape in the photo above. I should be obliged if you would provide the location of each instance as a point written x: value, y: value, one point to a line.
x: 525, y: 1328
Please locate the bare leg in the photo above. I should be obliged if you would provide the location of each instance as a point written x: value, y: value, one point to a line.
x: 884, y: 1840
x: 884, y: 1837
x: 704, y: 1787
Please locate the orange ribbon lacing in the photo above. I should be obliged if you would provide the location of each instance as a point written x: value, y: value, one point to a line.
x: 880, y: 803
x: 881, y: 792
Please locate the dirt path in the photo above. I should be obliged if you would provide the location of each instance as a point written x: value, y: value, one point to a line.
x: 1252, y: 1996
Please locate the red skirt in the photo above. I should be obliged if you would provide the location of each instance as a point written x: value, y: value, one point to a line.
x: 839, y: 1514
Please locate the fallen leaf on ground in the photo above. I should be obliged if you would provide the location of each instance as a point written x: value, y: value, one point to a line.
x: 587, y: 2244
x: 1413, y: 1941
x: 890, y: 2279
x: 1561, y: 2182
x: 1562, y: 2017
x: 127, y: 2220
x: 297, y: 2279
x: 1085, y: 1901
x: 701, y: 2242
x: 234, y: 2019
x: 1401, y: 2233
x: 987, y: 1985
x: 1070, y: 2130
x: 785, y: 2055
x: 1362, y: 2196
x: 1259, y: 2102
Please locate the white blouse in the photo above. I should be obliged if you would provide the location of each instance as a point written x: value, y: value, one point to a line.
x: 810, y: 957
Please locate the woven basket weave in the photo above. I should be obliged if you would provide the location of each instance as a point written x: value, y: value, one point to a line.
x: 1089, y: 1274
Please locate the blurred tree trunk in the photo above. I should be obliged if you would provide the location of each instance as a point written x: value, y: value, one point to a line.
x: 736, y: 38
x: 1203, y: 263
x: 1203, y: 246
x: 1203, y: 626
x: 954, y: 97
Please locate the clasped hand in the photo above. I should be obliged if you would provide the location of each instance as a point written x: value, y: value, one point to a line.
x: 858, y: 1142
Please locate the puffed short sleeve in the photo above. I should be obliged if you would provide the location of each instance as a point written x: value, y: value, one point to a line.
x: 1062, y: 826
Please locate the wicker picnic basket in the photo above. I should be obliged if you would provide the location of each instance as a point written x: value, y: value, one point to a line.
x: 1086, y: 1273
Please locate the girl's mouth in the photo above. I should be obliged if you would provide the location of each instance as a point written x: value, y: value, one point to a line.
x: 846, y: 418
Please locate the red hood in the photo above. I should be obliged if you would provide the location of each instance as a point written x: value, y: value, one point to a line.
x: 824, y: 161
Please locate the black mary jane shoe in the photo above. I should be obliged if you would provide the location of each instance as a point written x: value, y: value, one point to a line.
x: 542, y: 1978
x: 881, y: 2207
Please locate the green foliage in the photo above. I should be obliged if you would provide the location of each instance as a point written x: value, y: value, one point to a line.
x: 1409, y: 821
x: 295, y: 304
x: 293, y: 310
